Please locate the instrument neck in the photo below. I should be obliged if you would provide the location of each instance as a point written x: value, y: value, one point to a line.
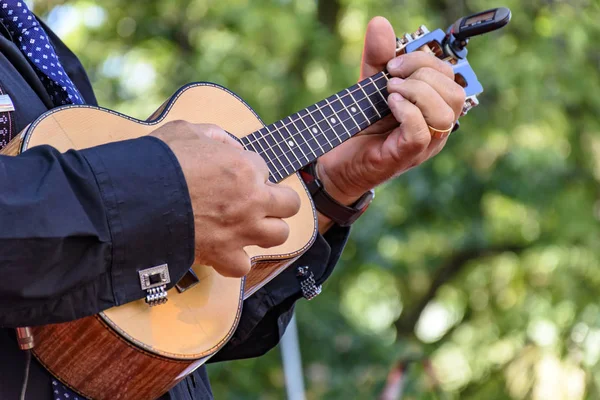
x: 297, y: 140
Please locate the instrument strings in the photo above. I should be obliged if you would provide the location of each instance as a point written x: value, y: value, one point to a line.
x: 321, y: 133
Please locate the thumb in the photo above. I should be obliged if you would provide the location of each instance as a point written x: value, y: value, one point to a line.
x: 233, y: 264
x: 379, y: 48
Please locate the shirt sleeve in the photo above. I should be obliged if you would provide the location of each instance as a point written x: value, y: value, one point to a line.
x: 77, y: 227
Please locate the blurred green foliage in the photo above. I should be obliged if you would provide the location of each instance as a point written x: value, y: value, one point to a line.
x: 483, y: 263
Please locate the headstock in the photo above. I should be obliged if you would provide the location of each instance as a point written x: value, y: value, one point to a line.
x: 450, y: 46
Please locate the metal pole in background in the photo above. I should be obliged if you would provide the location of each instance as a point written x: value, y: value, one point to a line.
x: 292, y: 362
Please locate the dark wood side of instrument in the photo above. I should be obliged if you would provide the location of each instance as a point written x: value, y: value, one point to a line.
x: 107, y: 366
x: 13, y: 148
x: 105, y: 361
x: 262, y: 271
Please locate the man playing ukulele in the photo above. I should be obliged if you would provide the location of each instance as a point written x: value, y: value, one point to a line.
x: 77, y: 227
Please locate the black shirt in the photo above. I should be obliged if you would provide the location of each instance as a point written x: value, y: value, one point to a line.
x: 76, y: 227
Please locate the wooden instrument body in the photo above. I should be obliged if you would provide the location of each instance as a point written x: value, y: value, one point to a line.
x: 135, y: 351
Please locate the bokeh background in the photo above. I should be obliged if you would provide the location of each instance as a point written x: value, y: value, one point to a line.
x: 478, y: 273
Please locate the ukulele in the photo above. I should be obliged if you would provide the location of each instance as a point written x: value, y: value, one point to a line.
x: 142, y: 349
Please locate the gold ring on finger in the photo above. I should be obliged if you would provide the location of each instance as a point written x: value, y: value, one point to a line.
x: 439, y: 133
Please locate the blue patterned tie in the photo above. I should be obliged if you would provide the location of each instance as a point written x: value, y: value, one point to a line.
x: 61, y: 392
x: 33, y: 41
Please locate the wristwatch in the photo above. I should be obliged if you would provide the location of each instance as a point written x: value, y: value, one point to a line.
x: 339, y: 213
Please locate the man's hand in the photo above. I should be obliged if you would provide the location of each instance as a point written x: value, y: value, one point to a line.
x: 234, y: 204
x: 422, y: 93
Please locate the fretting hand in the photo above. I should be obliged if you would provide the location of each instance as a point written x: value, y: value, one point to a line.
x: 423, y: 94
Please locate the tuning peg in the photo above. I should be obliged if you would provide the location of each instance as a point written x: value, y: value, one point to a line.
x: 420, y: 32
x: 470, y: 102
x: 401, y: 42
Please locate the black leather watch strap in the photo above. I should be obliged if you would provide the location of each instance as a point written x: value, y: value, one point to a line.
x: 339, y: 213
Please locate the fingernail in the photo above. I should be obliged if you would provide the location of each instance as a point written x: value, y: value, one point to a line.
x: 395, y: 97
x: 394, y: 63
x: 396, y: 81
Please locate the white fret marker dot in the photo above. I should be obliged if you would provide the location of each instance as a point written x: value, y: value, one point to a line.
x: 353, y: 109
x: 291, y: 143
x: 332, y: 120
x: 315, y: 130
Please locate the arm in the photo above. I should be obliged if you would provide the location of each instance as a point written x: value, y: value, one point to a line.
x: 77, y: 226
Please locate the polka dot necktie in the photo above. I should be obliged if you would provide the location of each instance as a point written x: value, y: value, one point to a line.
x: 33, y: 42
x: 62, y: 393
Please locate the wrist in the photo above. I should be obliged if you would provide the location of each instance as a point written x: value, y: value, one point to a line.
x: 332, y: 209
x: 333, y: 189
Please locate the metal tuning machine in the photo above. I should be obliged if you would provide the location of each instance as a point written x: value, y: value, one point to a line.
x: 450, y: 46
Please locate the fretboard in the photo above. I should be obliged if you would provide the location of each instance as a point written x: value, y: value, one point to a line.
x: 297, y: 140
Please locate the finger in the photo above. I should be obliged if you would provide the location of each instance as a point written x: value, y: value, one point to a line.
x: 379, y: 47
x: 406, y: 64
x: 216, y: 133
x: 452, y: 93
x: 269, y: 232
x: 435, y: 110
x: 436, y: 146
x: 232, y: 264
x: 259, y: 163
x: 281, y: 201
x: 412, y: 137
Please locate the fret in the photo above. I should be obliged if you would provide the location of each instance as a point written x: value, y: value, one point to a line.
x: 354, y: 128
x: 249, y: 142
x: 290, y: 142
x: 355, y: 109
x: 272, y: 173
x: 383, y: 92
x: 312, y: 129
x: 372, y: 92
x: 304, y: 143
x: 320, y: 120
x: 381, y: 83
x: 322, y: 125
x: 340, y: 122
x: 300, y: 145
x: 344, y: 114
x: 368, y: 91
x: 269, y: 146
x: 367, y: 97
x: 332, y: 119
x: 279, y: 143
x: 282, y: 139
x: 376, y: 96
x: 365, y: 107
x: 369, y: 105
x: 265, y: 147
